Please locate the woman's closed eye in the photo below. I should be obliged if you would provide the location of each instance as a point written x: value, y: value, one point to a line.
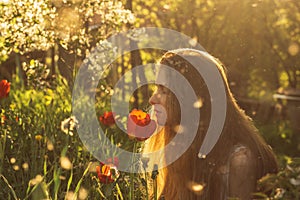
x: 162, y: 90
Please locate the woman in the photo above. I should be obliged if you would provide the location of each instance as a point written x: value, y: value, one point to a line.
x: 238, y: 159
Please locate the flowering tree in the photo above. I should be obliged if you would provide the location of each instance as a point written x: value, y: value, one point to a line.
x: 35, y: 117
x: 72, y: 26
x: 82, y: 24
x: 26, y: 25
x: 29, y: 25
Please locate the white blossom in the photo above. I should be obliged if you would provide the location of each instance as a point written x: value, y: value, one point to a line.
x: 68, y: 125
x: 295, y: 181
x: 26, y: 25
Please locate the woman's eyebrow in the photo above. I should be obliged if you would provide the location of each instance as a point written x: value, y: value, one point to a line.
x: 160, y: 86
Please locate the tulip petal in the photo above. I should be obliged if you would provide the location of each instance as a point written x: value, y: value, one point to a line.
x: 139, y: 125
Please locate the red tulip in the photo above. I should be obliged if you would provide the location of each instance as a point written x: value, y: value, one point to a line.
x: 139, y: 125
x: 107, y: 118
x: 4, y: 88
x: 107, y: 173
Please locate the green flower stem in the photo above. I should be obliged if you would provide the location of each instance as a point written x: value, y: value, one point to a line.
x: 154, y: 178
x: 155, y: 188
x: 131, y: 191
x: 146, y: 182
x: 10, y: 187
x: 119, y: 191
x: 2, y: 150
x: 147, y: 194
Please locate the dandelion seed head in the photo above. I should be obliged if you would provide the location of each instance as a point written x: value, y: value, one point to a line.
x: 25, y: 166
x: 13, y: 160
x: 70, y: 195
x: 38, y: 179
x: 50, y: 146
x: 16, y: 167
x: 65, y: 163
x: 82, y: 194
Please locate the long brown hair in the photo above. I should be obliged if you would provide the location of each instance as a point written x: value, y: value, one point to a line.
x: 176, y: 179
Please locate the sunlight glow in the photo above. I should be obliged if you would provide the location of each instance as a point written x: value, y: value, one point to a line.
x: 38, y: 179
x: 83, y: 193
x: 293, y: 49
x: 179, y: 129
x: 13, y: 160
x: 198, y: 104
x: 65, y: 163
x: 197, y: 188
x: 4, y: 1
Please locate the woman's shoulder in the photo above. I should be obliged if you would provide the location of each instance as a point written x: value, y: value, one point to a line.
x: 238, y: 176
x: 241, y: 156
x: 240, y: 150
x: 242, y: 172
x: 240, y: 159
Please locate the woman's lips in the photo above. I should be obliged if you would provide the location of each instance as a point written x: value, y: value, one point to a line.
x: 157, y: 111
x: 160, y: 114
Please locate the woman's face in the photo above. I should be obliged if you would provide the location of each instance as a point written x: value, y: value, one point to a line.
x: 159, y: 102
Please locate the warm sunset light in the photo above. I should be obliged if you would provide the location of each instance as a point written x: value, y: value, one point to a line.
x: 149, y: 100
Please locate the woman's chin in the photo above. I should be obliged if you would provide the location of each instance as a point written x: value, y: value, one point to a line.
x: 161, y: 121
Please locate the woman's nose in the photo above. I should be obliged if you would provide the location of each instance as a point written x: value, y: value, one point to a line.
x: 154, y: 99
